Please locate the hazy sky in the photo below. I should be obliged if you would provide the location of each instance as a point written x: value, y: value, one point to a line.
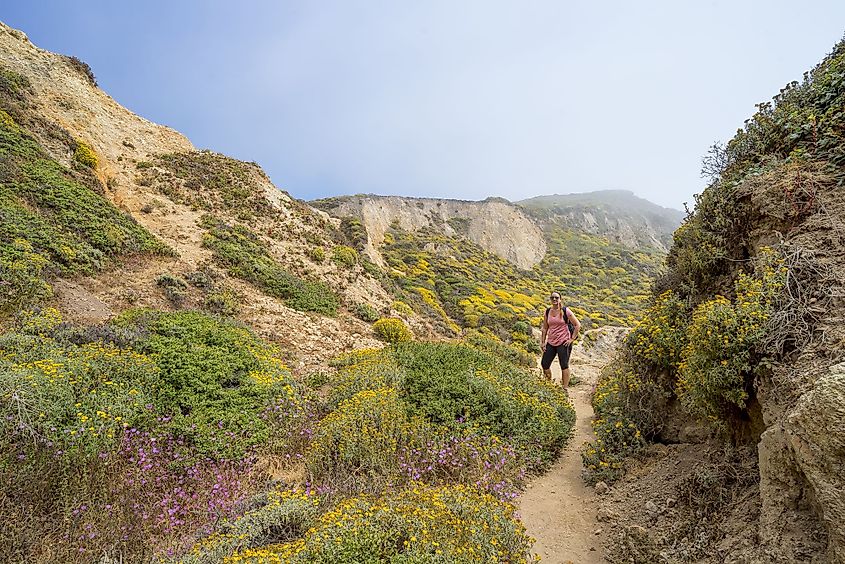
x: 458, y: 99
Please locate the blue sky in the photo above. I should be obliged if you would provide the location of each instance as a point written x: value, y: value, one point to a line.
x: 457, y: 99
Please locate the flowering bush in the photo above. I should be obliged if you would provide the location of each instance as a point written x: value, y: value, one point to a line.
x: 344, y: 255
x: 421, y: 524
x: 356, y: 445
x: 85, y: 155
x: 616, y: 438
x: 660, y: 335
x: 79, y: 397
x: 154, y: 498
x: 317, y: 254
x: 392, y: 330
x: 365, y: 370
x: 470, y: 458
x: 106, y: 444
x: 725, y: 342
x: 284, y: 515
x: 402, y: 309
x: 625, y: 405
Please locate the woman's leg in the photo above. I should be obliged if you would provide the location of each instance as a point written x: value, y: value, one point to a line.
x: 563, y: 357
x: 546, y: 362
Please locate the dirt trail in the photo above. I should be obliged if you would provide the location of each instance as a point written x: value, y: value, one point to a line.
x: 558, y: 509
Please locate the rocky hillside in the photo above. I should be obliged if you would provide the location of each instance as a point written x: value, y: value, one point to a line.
x: 741, y: 354
x: 135, y: 216
x: 617, y: 215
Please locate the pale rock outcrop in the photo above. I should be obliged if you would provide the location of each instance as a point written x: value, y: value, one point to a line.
x: 497, y: 226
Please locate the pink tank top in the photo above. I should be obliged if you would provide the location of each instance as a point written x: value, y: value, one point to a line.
x: 558, y: 330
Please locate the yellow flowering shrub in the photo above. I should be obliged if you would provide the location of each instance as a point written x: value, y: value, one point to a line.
x: 367, y: 370
x: 80, y: 397
x: 85, y: 155
x: 724, y: 346
x: 622, y: 402
x: 420, y: 524
x: 401, y: 308
x: 392, y: 330
x: 345, y: 255
x: 430, y: 299
x: 660, y: 335
x: 356, y: 445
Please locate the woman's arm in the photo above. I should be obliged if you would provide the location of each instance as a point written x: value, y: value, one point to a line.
x: 545, y: 329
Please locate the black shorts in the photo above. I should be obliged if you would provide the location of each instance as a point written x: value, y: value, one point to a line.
x: 561, y: 351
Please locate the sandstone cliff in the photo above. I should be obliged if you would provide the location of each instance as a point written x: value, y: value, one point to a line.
x: 496, y: 225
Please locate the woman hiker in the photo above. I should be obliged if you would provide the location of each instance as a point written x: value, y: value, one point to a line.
x: 560, y: 329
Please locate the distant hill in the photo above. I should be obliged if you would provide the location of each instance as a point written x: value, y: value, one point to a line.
x: 618, y: 215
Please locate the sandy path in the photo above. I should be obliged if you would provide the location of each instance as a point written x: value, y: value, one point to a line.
x: 557, y: 508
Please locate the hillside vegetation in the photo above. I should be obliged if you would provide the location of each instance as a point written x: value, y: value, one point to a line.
x: 206, y: 415
x: 459, y: 272
x: 743, y: 333
x: 55, y: 219
x: 463, y: 285
x: 132, y: 438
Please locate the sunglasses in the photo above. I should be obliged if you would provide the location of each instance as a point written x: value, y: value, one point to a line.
x: 555, y: 297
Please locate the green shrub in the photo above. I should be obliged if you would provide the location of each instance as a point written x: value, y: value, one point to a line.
x: 453, y: 385
x: 174, y: 288
x: 354, y: 231
x: 629, y: 401
x: 317, y: 254
x: 222, y: 301
x: 448, y: 524
x: 82, y: 68
x: 366, y: 312
x: 392, y: 330
x: 12, y: 82
x: 402, y: 309
x: 85, y: 155
x: 245, y: 256
x: 216, y: 377
x: 346, y: 256
x: 21, y: 278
